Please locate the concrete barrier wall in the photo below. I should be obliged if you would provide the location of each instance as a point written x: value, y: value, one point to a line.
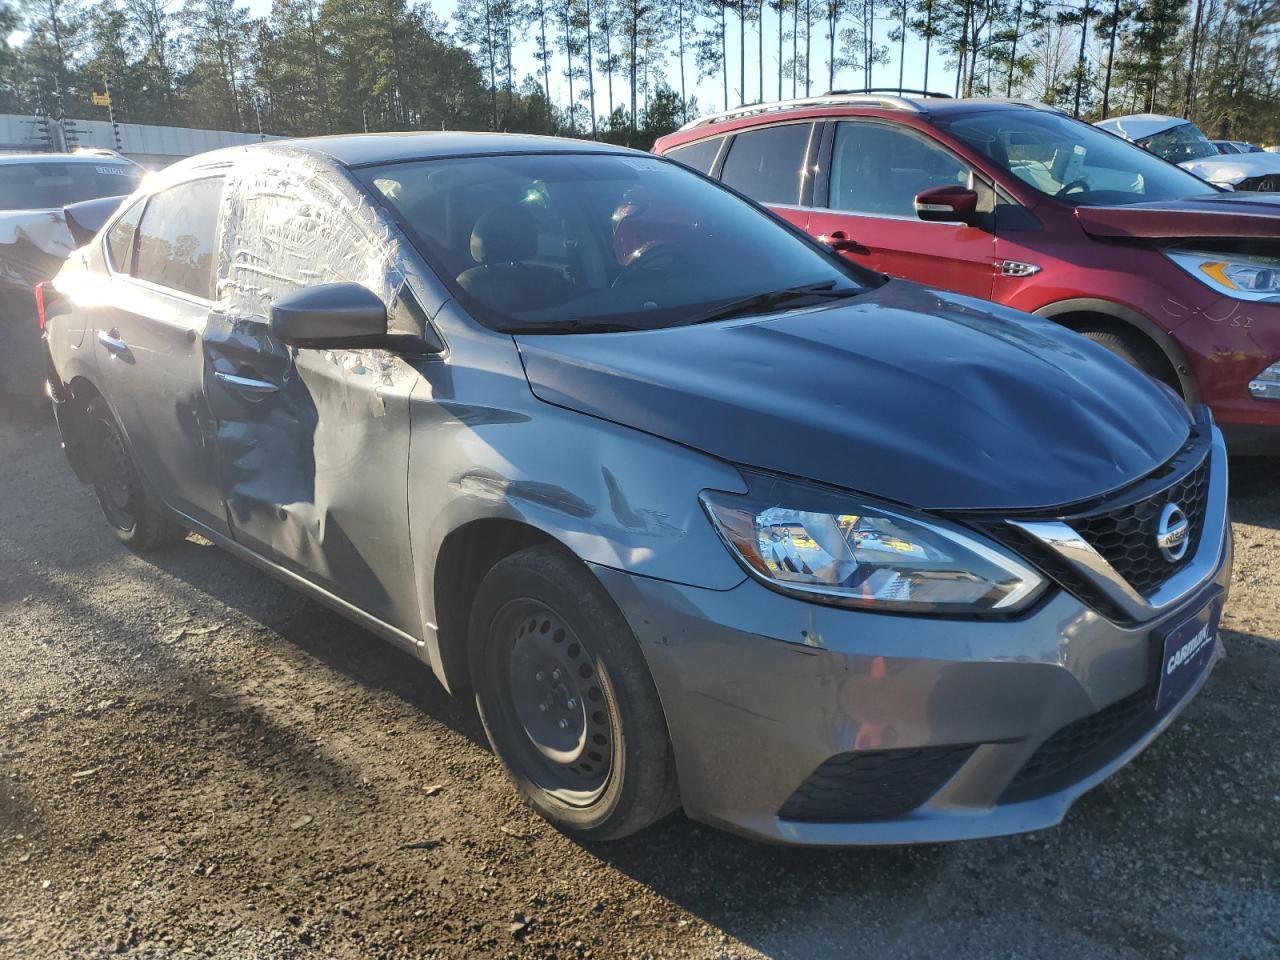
x: 147, y: 144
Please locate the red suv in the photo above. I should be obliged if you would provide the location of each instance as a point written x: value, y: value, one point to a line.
x: 1020, y: 204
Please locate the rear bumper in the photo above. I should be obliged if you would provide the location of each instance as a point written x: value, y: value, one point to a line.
x: 761, y: 690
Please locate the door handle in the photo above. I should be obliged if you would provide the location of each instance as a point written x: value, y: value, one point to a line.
x: 840, y: 241
x: 112, y: 341
x: 245, y: 384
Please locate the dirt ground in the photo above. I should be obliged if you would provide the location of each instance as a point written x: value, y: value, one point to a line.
x: 197, y: 761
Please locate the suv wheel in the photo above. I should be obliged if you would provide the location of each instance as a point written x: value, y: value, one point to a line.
x: 1137, y: 352
x: 133, y: 514
x: 566, y: 699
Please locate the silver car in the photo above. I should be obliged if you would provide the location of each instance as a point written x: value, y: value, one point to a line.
x: 702, y: 514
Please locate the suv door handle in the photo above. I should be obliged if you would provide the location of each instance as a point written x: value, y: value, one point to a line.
x: 245, y: 384
x: 842, y: 242
x: 112, y: 341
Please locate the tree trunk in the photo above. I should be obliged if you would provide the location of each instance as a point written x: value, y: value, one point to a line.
x: 928, y: 41
x: 1013, y: 49
x: 591, y: 79
x: 760, y: 43
x: 1191, y: 65
x: 902, y: 48
x: 808, y: 45
x: 684, y: 100
x: 742, y: 51
x: 1084, y: 36
x: 724, y: 51
x: 1111, y: 58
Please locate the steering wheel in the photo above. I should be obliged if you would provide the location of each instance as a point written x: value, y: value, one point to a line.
x: 660, y: 258
x: 1078, y: 184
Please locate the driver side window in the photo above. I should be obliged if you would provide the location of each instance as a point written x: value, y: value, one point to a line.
x: 878, y: 169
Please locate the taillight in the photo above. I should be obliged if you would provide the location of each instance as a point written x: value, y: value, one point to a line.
x: 46, y: 297
x: 40, y: 304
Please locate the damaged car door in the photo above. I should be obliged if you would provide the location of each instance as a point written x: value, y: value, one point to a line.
x: 313, y: 444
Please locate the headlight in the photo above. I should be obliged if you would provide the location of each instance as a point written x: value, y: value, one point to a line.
x: 1266, y: 385
x: 1235, y: 275
x: 852, y: 551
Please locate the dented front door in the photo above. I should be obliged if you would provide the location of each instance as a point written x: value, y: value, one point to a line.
x: 314, y: 448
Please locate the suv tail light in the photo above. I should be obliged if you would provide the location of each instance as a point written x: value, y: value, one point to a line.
x: 46, y: 297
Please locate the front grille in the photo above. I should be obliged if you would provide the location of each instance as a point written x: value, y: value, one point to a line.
x: 1126, y: 536
x: 1081, y: 747
x: 874, y: 784
x: 1122, y: 529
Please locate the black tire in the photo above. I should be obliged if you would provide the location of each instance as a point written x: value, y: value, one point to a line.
x: 1137, y: 352
x: 134, y: 516
x: 607, y: 770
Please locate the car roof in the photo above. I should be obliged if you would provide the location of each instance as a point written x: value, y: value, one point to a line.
x: 843, y: 103
x: 1139, y: 126
x: 362, y: 149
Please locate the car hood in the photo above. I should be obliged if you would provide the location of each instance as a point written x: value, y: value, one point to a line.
x: 918, y: 396
x: 1232, y: 168
x: 1212, y: 215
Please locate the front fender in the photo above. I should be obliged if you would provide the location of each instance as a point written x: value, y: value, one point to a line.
x: 483, y: 447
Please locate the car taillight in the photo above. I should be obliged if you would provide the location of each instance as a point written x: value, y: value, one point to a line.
x: 46, y: 295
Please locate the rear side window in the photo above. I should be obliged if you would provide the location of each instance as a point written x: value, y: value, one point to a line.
x: 767, y: 164
x: 700, y: 155
x: 120, y: 238
x: 42, y: 184
x: 176, y: 239
x: 879, y: 169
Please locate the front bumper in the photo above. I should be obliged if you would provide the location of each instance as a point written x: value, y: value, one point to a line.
x: 761, y: 690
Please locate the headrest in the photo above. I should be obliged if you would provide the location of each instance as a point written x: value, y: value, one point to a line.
x: 505, y: 234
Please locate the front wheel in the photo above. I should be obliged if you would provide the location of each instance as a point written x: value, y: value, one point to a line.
x: 135, y: 517
x: 566, y: 699
x: 1137, y: 352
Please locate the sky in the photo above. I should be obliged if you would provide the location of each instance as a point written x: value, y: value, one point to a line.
x: 709, y: 91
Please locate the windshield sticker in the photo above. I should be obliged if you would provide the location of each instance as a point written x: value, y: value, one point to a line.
x: 115, y: 171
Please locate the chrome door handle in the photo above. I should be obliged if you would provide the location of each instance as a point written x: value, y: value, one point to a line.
x: 245, y: 384
x: 112, y: 342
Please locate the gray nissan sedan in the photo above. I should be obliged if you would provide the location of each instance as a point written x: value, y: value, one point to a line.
x: 703, y: 515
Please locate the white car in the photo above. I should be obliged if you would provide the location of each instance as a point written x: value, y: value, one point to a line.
x: 1182, y: 142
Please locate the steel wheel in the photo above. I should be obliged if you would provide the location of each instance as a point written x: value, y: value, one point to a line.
x: 114, y: 481
x: 555, y: 696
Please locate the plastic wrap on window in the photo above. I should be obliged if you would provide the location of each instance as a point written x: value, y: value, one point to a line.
x: 33, y: 245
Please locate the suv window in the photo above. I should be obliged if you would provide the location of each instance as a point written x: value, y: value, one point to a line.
x: 120, y: 238
x: 42, y: 184
x: 767, y: 164
x: 879, y: 169
x: 176, y: 239
x: 700, y: 155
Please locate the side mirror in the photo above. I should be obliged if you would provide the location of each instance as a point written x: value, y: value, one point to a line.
x: 947, y: 205
x: 85, y: 219
x: 330, y: 316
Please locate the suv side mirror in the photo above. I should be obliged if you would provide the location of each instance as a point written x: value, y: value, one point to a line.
x: 947, y: 205
x: 330, y: 316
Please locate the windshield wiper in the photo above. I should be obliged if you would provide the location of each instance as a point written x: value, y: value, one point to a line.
x: 772, y: 300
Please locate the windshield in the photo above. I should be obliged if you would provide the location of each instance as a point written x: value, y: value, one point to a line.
x: 1070, y: 160
x: 597, y: 241
x: 43, y: 184
x: 1180, y: 143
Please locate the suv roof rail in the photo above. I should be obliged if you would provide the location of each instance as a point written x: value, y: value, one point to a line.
x: 900, y: 91
x: 827, y: 100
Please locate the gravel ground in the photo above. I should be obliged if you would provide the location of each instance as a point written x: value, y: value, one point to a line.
x: 196, y: 761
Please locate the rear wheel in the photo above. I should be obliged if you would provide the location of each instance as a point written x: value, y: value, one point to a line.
x: 566, y: 699
x: 132, y: 513
x: 1137, y: 352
